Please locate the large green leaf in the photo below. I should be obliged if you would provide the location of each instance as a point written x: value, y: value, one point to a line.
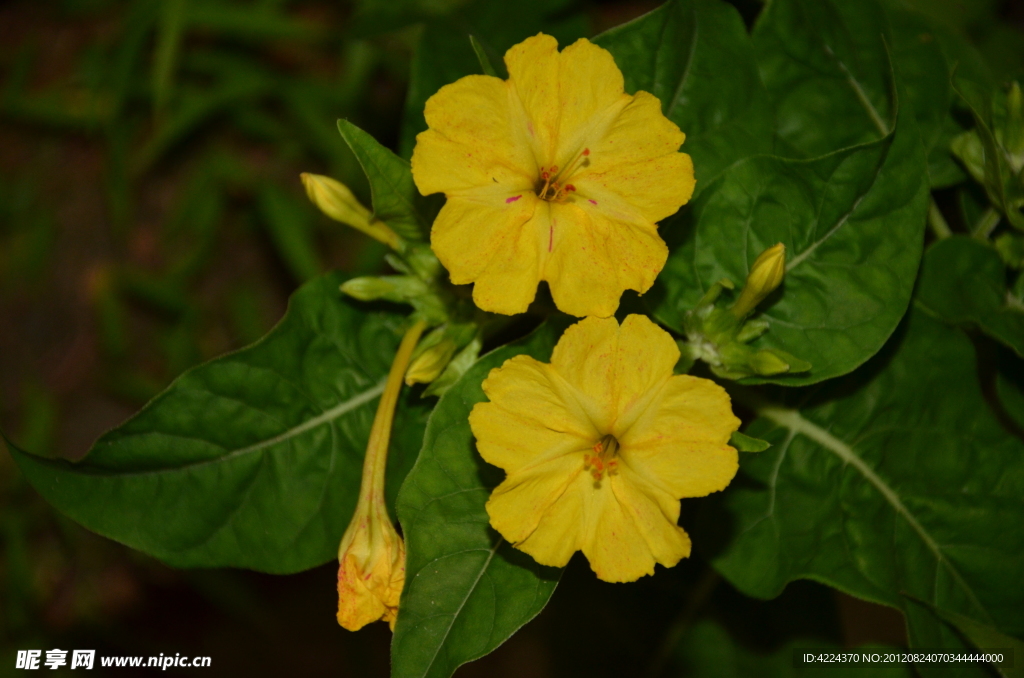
x: 396, y: 201
x: 852, y: 220
x: 466, y: 589
x: 917, y: 49
x: 894, y: 483
x: 827, y: 68
x: 963, y: 281
x: 1010, y: 388
x: 697, y: 58
x: 253, y: 459
x: 852, y: 223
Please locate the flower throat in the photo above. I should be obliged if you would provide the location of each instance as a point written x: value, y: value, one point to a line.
x: 604, y: 460
x: 552, y: 186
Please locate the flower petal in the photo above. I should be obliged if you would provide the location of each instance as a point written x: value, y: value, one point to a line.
x: 533, y: 72
x: 540, y: 510
x: 591, y: 96
x: 529, y: 418
x: 614, y: 369
x: 468, y: 232
x: 637, y: 159
x: 508, y: 283
x: 472, y: 141
x: 585, y: 358
x: 636, y: 529
x: 627, y: 532
x: 680, y: 442
x: 594, y: 258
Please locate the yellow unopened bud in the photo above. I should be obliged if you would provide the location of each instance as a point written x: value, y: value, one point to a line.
x: 371, y: 557
x: 765, y: 275
x: 336, y: 201
x: 428, y: 365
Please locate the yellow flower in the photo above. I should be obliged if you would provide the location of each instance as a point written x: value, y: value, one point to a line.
x: 554, y: 174
x: 600, y: 445
x: 371, y: 558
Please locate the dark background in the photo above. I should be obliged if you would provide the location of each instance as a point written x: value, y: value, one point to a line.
x: 151, y: 218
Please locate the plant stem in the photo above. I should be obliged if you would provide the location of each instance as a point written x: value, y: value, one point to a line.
x: 375, y: 462
x: 937, y: 221
x: 986, y: 224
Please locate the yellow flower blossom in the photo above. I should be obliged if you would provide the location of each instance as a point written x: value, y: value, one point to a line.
x: 555, y: 174
x: 371, y: 558
x: 600, y: 445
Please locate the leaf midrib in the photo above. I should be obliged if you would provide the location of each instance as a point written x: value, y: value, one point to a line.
x: 322, y: 418
x: 465, y: 599
x: 796, y: 423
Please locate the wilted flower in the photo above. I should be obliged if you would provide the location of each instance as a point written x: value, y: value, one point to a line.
x: 371, y: 557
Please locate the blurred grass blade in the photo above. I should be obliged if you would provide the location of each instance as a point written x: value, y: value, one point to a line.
x: 481, y: 55
x: 165, y: 56
x: 288, y: 224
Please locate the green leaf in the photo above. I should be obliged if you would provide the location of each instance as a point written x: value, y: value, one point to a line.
x: 827, y: 69
x: 917, y: 49
x: 984, y: 637
x: 1010, y: 388
x: 396, y: 201
x: 466, y: 589
x: 895, y: 481
x: 253, y: 459
x: 697, y: 58
x: 745, y: 443
x: 963, y: 281
x: 709, y: 651
x: 852, y: 223
x: 852, y: 220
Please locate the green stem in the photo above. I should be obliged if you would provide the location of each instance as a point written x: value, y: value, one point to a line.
x: 937, y: 221
x: 986, y: 224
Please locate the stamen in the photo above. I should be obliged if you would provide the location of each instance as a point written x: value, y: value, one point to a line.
x: 603, y: 461
x: 553, y: 189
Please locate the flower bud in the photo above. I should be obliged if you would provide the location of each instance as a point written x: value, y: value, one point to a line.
x: 389, y: 287
x: 336, y: 201
x: 428, y: 365
x: 765, y: 275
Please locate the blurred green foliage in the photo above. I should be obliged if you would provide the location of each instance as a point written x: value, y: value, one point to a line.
x: 192, y: 119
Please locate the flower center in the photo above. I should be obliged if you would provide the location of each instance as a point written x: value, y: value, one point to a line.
x: 554, y: 183
x: 603, y: 460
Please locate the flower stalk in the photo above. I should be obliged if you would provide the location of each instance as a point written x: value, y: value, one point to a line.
x: 371, y: 558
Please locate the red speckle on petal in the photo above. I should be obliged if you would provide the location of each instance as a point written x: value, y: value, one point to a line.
x: 592, y: 202
x: 513, y: 199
